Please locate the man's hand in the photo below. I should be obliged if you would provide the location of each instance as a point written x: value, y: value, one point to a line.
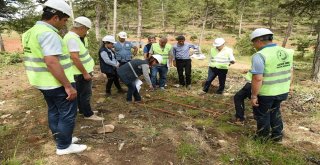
x: 174, y: 63
x: 71, y: 92
x: 87, y: 76
x: 254, y: 101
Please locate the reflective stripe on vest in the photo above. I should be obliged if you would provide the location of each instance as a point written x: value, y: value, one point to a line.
x: 36, y: 68
x: 277, y: 70
x: 220, y: 59
x: 85, y: 58
x: 163, y: 52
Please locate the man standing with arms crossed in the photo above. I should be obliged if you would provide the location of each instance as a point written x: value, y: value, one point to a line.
x: 272, y: 68
x: 50, y: 70
x: 82, y: 64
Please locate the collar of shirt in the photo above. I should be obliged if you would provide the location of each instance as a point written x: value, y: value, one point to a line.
x: 73, y: 33
x: 46, y: 24
x: 269, y: 45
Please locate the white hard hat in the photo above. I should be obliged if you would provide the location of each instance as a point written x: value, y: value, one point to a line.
x: 122, y: 35
x: 109, y: 38
x: 259, y: 32
x: 158, y: 57
x: 218, y: 42
x: 60, y: 5
x: 84, y: 21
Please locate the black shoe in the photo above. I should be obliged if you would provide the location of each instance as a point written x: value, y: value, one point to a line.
x: 218, y: 92
x: 108, y: 94
x: 122, y: 91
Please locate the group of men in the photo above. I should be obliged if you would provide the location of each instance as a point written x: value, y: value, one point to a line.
x: 61, y: 68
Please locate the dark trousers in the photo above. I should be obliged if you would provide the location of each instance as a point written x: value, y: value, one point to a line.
x: 184, y: 65
x: 132, y: 90
x: 239, y: 97
x: 212, y: 74
x: 61, y: 115
x: 84, y: 90
x: 122, y: 62
x: 268, y: 116
x: 112, y: 78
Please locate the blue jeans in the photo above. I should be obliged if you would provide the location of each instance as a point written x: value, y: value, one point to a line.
x: 162, y: 70
x: 61, y: 115
x: 268, y: 116
x: 84, y: 91
x: 212, y: 74
x: 132, y: 90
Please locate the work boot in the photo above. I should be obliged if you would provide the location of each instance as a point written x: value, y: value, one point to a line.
x: 108, y: 94
x: 73, y: 148
x: 202, y: 93
x: 236, y: 121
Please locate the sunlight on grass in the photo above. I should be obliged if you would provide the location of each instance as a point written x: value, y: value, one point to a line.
x: 186, y: 150
x: 203, y: 122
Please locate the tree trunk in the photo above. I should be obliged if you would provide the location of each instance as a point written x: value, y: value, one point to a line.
x: 123, y: 23
x: 139, y: 20
x: 107, y: 25
x: 1, y: 44
x: 114, y: 17
x: 270, y: 20
x: 316, y: 60
x: 97, y: 21
x: 203, y: 24
x: 288, y: 32
x: 72, y: 15
x: 240, y: 24
x: 163, y: 16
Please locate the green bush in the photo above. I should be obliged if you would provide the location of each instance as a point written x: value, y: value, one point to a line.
x: 244, y: 46
x: 10, y: 58
x: 196, y: 75
x: 303, y: 43
x: 193, y: 37
x: 94, y: 46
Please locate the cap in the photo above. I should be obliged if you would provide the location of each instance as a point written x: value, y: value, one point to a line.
x: 109, y: 38
x: 218, y: 42
x: 122, y: 35
x: 260, y: 32
x: 60, y: 5
x: 158, y: 58
x: 84, y: 21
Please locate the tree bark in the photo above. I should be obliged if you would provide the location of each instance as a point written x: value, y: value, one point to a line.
x: 270, y: 20
x: 107, y: 25
x: 203, y: 24
x: 97, y: 21
x: 240, y: 24
x: 1, y: 44
x: 288, y: 32
x: 139, y: 20
x: 163, y: 16
x: 114, y: 17
x: 316, y: 60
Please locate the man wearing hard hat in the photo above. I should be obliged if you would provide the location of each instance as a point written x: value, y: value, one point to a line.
x: 49, y: 69
x: 130, y: 72
x: 220, y: 60
x: 123, y: 49
x: 271, y: 78
x: 83, y: 64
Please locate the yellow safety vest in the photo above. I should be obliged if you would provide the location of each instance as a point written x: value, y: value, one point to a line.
x: 163, y: 52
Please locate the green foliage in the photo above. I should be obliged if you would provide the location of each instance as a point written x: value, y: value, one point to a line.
x: 203, y: 122
x: 244, y: 46
x: 10, y: 58
x: 303, y: 43
x: 12, y: 161
x: 193, y: 37
x: 94, y: 46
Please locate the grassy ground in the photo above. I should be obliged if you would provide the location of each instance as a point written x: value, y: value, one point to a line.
x: 198, y: 133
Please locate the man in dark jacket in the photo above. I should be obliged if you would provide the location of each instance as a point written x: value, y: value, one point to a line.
x: 130, y: 72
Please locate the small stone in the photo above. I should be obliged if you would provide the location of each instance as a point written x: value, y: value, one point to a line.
x: 170, y: 163
x: 222, y: 143
x: 28, y: 112
x: 5, y: 116
x: 106, y: 129
x: 89, y: 148
x: 100, y: 100
x: 2, y: 102
x: 121, y: 146
x: 304, y: 128
x: 144, y: 148
x: 121, y: 116
x: 148, y: 96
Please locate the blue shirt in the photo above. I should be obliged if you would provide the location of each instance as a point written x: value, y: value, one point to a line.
x: 50, y: 42
x: 182, y: 51
x: 258, y: 61
x: 123, y: 51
